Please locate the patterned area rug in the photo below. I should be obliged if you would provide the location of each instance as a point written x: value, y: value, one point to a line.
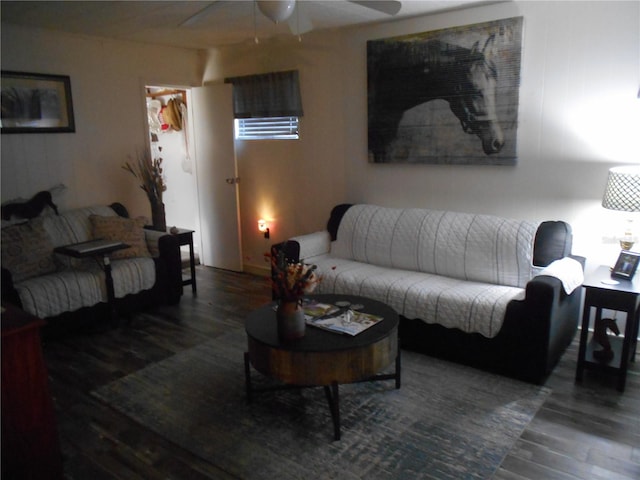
x: 446, y: 422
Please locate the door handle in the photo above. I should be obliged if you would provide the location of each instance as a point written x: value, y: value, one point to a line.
x: 233, y: 180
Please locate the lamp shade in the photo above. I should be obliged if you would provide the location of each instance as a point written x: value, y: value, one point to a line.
x: 623, y: 189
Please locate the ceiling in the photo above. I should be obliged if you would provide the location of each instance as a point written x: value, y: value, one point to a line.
x: 205, y: 24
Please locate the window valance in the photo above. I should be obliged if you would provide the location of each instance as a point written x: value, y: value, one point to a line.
x: 275, y: 94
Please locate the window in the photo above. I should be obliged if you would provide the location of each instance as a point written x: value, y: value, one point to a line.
x: 280, y: 128
x: 267, y: 106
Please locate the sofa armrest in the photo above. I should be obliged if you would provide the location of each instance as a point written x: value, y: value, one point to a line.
x: 554, y: 240
x: 543, y: 292
x: 9, y: 293
x: 313, y: 244
x: 552, y: 318
x: 153, y: 241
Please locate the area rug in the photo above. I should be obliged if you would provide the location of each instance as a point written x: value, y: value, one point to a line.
x: 447, y: 421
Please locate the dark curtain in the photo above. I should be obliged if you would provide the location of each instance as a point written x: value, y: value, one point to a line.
x: 274, y: 94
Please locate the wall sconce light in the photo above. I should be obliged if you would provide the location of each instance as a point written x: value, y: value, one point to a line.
x: 262, y: 226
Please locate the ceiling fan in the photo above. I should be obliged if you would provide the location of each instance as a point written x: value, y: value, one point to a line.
x: 390, y: 7
x: 282, y: 10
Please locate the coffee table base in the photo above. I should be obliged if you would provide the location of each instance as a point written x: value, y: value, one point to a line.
x: 331, y: 391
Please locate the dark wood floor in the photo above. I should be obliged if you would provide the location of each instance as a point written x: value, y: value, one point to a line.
x: 587, y: 431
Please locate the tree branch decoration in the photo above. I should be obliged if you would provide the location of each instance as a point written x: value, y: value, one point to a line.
x: 148, y: 171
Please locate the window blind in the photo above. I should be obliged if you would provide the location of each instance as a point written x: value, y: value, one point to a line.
x: 282, y: 128
x: 275, y: 94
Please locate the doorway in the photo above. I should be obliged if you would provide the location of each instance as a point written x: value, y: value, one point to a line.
x: 200, y: 169
x: 173, y: 143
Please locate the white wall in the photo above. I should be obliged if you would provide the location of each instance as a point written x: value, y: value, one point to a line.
x: 578, y: 117
x: 292, y: 184
x: 107, y: 83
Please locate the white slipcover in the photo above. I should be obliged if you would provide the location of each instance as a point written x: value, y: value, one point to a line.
x: 80, y: 282
x: 456, y: 269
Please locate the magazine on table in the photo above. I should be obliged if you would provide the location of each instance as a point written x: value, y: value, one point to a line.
x: 336, y: 319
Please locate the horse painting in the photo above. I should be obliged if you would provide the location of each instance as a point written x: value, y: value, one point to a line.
x: 404, y: 74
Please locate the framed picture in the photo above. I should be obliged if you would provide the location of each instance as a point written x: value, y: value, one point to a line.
x: 446, y: 96
x: 36, y: 103
x: 626, y: 265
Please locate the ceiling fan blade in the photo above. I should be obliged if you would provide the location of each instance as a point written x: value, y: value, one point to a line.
x: 390, y: 7
x: 198, y: 16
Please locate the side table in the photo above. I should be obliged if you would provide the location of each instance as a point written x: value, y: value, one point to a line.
x: 95, y: 248
x: 622, y: 296
x: 185, y: 237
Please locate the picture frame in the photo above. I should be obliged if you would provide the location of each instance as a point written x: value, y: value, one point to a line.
x: 35, y: 103
x: 448, y: 96
x: 626, y: 265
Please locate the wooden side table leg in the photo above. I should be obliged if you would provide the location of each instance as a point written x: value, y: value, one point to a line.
x: 627, y: 348
x: 333, y: 397
x: 247, y: 377
x: 192, y: 265
x: 584, y: 334
x: 634, y: 336
x: 398, y: 369
x: 111, y: 296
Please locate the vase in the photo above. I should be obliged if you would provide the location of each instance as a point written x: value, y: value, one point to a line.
x: 290, y: 317
x: 158, y: 218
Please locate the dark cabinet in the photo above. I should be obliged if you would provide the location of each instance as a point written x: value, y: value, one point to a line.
x: 30, y: 445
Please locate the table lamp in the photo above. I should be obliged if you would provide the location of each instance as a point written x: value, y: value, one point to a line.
x: 623, y: 193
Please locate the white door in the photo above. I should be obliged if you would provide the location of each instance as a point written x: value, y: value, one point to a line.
x: 216, y: 175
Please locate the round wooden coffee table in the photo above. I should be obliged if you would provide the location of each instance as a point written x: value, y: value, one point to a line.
x: 323, y: 358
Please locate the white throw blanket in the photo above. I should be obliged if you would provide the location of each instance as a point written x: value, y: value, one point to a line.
x: 568, y: 271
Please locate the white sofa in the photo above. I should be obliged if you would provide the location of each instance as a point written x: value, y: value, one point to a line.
x: 50, y: 285
x: 469, y: 276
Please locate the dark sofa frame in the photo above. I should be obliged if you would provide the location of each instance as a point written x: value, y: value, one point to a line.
x: 535, y: 333
x: 167, y: 289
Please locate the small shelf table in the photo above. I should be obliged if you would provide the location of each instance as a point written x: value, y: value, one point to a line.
x: 98, y: 248
x: 623, y: 296
x: 185, y: 237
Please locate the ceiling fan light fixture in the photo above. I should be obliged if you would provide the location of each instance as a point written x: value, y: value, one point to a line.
x: 276, y: 10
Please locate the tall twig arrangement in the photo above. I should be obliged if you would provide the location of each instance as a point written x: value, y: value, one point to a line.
x: 148, y: 171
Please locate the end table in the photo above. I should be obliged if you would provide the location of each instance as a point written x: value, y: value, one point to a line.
x: 185, y: 237
x: 602, y: 292
x: 98, y: 248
